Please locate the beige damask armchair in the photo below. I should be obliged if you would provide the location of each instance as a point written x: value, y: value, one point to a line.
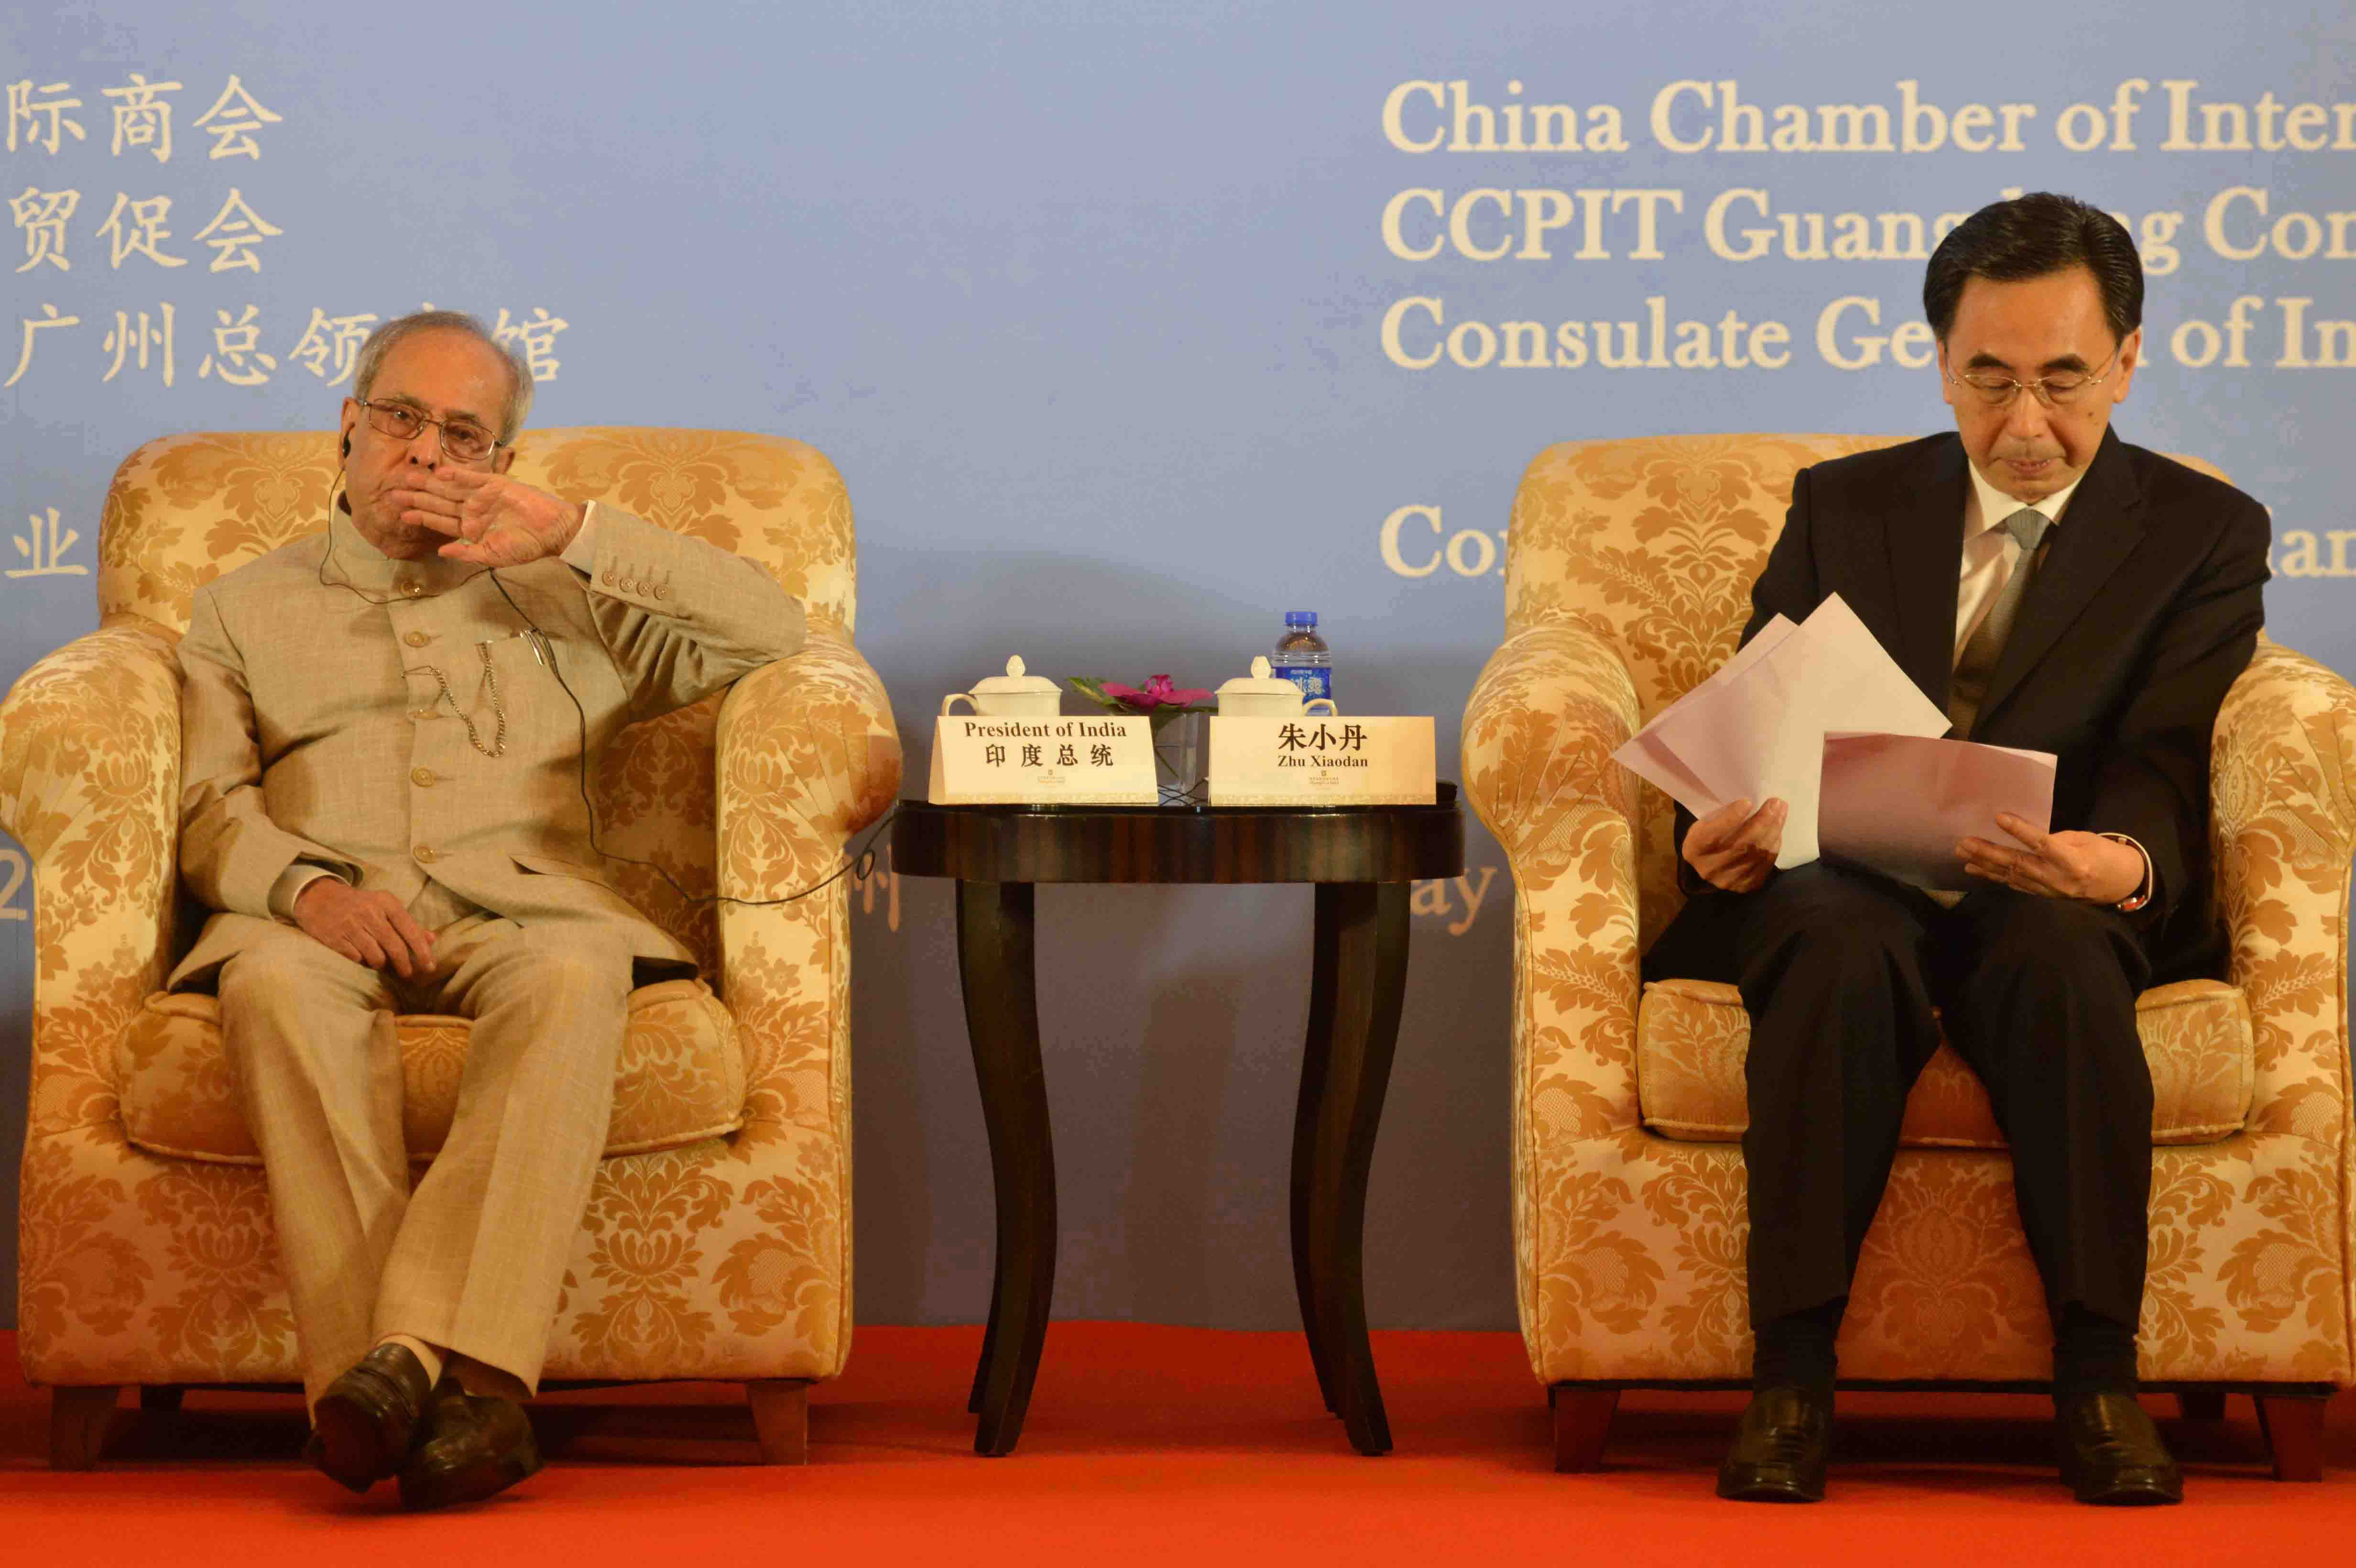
x: 1628, y: 571
x: 717, y: 1239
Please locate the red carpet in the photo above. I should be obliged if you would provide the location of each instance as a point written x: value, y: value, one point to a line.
x: 1157, y: 1445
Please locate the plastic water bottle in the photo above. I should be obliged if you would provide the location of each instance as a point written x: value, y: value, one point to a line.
x: 1301, y: 656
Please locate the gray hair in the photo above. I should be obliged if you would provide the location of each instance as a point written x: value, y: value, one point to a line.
x: 381, y: 342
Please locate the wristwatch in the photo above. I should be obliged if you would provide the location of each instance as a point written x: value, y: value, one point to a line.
x: 2143, y: 890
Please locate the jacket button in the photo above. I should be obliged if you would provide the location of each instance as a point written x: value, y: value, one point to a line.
x: 420, y: 776
x: 417, y: 639
x: 663, y: 593
x: 608, y: 579
x: 423, y: 854
x: 411, y: 587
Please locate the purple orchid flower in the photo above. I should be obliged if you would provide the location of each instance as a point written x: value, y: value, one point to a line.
x: 1158, y: 693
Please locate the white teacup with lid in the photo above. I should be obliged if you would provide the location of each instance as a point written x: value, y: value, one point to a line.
x: 1013, y: 695
x: 1260, y: 695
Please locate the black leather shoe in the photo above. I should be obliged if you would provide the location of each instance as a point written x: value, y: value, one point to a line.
x: 2111, y: 1452
x: 1779, y: 1449
x: 365, y: 1424
x: 476, y: 1446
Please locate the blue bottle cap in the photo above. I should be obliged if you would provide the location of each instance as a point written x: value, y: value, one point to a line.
x: 1301, y: 617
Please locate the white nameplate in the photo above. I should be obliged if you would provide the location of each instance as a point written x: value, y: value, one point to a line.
x: 1102, y: 760
x: 1317, y: 759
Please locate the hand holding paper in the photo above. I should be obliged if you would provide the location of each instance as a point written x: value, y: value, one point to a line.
x: 2059, y: 865
x: 1821, y: 717
x: 1734, y: 846
x: 1902, y: 804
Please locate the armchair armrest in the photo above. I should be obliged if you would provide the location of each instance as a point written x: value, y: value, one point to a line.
x: 2285, y: 748
x: 808, y: 757
x: 1554, y: 703
x: 90, y: 771
x: 2283, y: 787
x: 90, y: 782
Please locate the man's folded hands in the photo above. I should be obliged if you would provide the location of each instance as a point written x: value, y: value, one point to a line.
x: 370, y: 928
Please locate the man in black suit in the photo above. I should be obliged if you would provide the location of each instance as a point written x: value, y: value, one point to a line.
x: 2057, y: 590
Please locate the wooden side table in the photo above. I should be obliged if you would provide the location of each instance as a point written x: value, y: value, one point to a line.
x: 1363, y: 859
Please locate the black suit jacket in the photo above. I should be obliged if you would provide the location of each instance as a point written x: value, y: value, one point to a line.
x: 2146, y: 609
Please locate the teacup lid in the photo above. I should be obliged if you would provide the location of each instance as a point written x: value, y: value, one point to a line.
x: 1015, y: 681
x: 1259, y: 683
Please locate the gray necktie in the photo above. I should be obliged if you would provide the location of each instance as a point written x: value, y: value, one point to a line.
x: 1969, y: 687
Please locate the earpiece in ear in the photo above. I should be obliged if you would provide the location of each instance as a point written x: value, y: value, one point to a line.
x: 348, y: 446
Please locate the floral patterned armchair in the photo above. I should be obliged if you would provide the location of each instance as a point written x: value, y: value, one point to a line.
x: 1628, y: 570
x: 716, y: 1243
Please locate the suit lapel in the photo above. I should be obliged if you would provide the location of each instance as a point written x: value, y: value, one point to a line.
x: 2101, y: 530
x: 1926, y: 557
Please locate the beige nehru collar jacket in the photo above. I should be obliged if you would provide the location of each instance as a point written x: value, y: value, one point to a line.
x: 395, y: 721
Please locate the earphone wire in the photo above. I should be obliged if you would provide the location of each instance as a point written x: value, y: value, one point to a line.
x: 862, y: 863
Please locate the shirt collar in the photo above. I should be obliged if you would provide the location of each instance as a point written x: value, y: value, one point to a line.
x: 1987, y: 506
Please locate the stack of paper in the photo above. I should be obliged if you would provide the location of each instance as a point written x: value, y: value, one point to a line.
x: 1820, y: 716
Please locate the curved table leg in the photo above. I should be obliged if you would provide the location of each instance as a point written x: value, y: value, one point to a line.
x: 990, y: 1330
x: 1364, y: 927
x: 1315, y: 1053
x: 997, y: 973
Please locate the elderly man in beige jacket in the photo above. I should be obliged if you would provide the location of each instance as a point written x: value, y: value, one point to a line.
x: 386, y: 729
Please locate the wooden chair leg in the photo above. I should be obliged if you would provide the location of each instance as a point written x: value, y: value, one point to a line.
x: 781, y: 1419
x: 1582, y: 1418
x: 78, y: 1419
x: 161, y: 1396
x: 2294, y: 1427
x: 2202, y: 1404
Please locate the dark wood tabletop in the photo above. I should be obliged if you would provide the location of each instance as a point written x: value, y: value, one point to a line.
x: 1180, y: 844
x: 1363, y: 860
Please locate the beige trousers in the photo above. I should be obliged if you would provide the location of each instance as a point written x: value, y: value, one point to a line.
x: 473, y: 1259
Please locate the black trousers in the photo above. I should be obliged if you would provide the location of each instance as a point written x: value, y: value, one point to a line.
x: 1840, y: 970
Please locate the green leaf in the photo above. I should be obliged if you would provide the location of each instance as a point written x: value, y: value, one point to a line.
x: 1093, y: 689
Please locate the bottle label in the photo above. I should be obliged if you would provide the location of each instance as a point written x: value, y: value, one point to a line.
x: 1313, y: 680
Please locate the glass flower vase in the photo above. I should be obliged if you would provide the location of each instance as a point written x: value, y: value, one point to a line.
x: 1182, y: 757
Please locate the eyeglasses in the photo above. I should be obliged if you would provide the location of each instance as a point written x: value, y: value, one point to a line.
x: 462, y: 441
x: 2057, y: 390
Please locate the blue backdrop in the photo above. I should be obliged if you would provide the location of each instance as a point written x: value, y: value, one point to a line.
x: 1132, y: 326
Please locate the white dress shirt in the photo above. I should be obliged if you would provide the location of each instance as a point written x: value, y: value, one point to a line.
x: 1991, y: 555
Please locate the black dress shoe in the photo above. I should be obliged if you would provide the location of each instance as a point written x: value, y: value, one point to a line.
x: 365, y: 1424
x: 1779, y: 1449
x: 2111, y: 1452
x: 476, y: 1446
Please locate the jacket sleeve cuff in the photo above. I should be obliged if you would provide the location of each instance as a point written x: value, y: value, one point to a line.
x: 290, y: 885
x: 580, y: 555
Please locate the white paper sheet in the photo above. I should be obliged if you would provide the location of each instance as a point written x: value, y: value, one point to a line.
x: 1899, y: 805
x: 1756, y: 729
x: 1689, y: 742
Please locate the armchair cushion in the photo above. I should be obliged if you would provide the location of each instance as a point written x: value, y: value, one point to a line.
x: 1693, y: 1035
x: 682, y: 1077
